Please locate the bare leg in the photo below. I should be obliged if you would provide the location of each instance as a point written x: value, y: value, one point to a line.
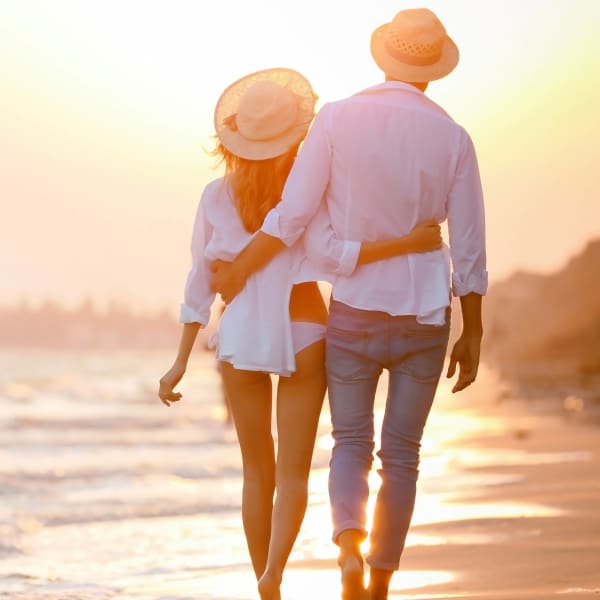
x: 379, y: 583
x: 351, y: 564
x: 249, y: 394
x: 299, y: 403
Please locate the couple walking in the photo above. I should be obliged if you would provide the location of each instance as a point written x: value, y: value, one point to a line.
x: 359, y: 205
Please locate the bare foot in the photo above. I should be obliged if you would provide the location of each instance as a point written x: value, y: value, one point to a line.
x: 353, y: 585
x: 268, y: 587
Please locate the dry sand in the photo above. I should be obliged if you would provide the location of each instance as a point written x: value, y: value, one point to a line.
x: 530, y: 557
x: 517, y: 557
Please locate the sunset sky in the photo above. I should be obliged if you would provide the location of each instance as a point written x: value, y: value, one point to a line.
x: 106, y: 109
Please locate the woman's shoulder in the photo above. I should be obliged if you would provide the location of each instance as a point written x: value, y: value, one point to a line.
x: 214, y: 188
x: 214, y: 193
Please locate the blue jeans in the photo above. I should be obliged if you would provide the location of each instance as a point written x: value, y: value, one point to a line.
x: 360, y: 344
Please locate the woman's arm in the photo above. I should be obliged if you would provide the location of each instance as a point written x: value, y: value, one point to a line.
x: 198, y: 298
x: 341, y: 257
x: 173, y: 376
x: 423, y: 237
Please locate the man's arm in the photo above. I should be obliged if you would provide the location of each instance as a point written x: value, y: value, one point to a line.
x: 229, y: 278
x: 467, y: 349
x: 466, y: 228
x: 285, y: 224
x: 466, y: 225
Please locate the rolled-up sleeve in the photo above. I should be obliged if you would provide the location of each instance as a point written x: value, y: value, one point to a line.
x: 305, y: 184
x: 466, y: 224
x: 198, y: 296
x: 325, y: 250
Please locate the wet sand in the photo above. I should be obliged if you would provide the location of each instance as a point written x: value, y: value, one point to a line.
x: 534, y: 556
x: 547, y: 468
x: 508, y: 503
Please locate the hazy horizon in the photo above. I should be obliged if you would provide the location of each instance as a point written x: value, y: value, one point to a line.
x: 107, y: 109
x: 103, y: 305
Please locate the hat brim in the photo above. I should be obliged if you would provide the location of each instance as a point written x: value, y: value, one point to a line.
x: 228, y: 103
x: 412, y: 73
x: 261, y: 150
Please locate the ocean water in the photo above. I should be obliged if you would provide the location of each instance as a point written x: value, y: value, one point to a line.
x: 106, y: 493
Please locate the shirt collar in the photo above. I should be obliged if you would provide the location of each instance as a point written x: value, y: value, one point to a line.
x: 401, y: 86
x: 394, y: 85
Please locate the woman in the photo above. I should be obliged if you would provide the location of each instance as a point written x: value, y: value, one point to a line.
x: 277, y: 323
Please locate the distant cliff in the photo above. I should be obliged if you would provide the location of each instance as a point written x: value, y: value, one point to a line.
x: 546, y: 328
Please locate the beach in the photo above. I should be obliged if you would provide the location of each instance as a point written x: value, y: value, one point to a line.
x: 105, y: 493
x: 535, y: 532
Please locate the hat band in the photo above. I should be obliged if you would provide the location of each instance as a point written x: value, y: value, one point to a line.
x: 230, y: 123
x: 412, y: 59
x: 256, y: 135
x: 257, y: 131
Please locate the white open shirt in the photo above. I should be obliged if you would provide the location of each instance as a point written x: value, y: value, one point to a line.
x: 255, y: 329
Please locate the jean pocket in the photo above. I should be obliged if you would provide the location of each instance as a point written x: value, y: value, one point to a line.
x: 423, y: 330
x: 346, y: 333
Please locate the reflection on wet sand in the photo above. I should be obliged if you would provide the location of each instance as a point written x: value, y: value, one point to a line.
x: 105, y: 496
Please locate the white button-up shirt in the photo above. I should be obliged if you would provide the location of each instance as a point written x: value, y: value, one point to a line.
x: 383, y: 161
x: 255, y: 329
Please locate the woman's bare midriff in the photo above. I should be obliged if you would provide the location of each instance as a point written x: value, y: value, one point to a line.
x: 307, y: 304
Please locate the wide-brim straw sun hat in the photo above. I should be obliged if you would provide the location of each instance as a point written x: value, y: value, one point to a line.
x: 264, y: 114
x: 414, y: 47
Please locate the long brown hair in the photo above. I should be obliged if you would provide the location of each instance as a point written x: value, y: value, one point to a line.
x: 256, y: 184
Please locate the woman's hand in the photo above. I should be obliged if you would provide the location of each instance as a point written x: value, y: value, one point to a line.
x: 168, y: 381
x: 425, y: 237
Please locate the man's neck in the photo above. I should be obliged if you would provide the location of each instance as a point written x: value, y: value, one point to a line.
x: 420, y: 85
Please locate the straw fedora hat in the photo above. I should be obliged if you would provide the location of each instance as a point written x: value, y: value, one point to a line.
x: 414, y: 47
x: 262, y: 115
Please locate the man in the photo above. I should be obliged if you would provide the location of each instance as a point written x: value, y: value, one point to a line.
x: 382, y: 161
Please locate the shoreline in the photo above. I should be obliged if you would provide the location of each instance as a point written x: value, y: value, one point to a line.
x: 532, y: 532
x: 553, y: 462
x: 507, y: 505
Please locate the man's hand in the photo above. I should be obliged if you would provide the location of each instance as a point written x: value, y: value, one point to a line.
x: 425, y: 237
x: 466, y: 353
x: 227, y: 280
